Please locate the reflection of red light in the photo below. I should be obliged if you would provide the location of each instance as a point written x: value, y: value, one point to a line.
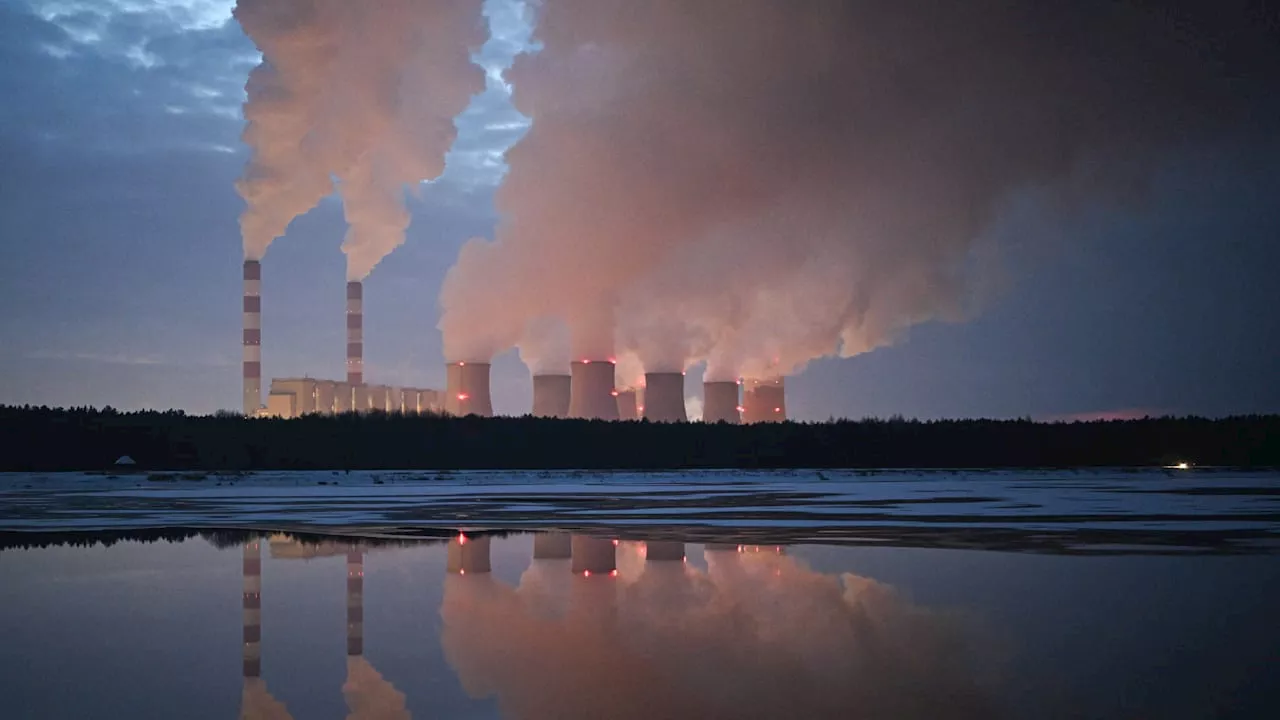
x: 462, y: 572
x: 613, y: 361
x: 462, y: 539
x: 613, y: 573
x: 613, y: 393
x: 586, y: 362
x: 461, y: 364
x: 586, y: 573
x: 615, y: 543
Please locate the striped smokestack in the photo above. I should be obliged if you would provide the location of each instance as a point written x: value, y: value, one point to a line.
x: 355, y: 603
x: 251, y: 602
x: 720, y: 402
x: 764, y: 400
x: 355, y: 334
x: 664, y: 397
x: 591, y: 390
x: 252, y: 336
x: 551, y: 396
x: 467, y: 389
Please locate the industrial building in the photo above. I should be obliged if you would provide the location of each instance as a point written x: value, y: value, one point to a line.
x: 295, y: 397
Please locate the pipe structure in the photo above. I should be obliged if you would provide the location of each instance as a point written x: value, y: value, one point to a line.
x: 720, y: 403
x: 664, y: 397
x: 591, y: 390
x: 355, y: 333
x: 551, y: 395
x: 764, y: 400
x: 252, y: 340
x: 467, y: 389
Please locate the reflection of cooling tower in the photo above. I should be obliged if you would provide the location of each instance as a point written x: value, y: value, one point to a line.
x: 468, y: 555
x: 551, y: 395
x: 591, y: 391
x: 664, y: 397
x: 721, y: 547
x: 593, y: 555
x: 252, y: 606
x: 552, y: 546
x: 355, y: 603
x: 252, y: 336
x: 627, y: 405
x: 664, y: 550
x: 720, y: 402
x: 467, y: 389
x: 355, y: 333
x: 764, y: 401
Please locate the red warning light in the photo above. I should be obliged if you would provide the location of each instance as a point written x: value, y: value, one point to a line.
x: 586, y: 573
x: 777, y: 409
x: 613, y: 393
x: 586, y: 361
x: 461, y: 364
x: 741, y: 409
x: 462, y: 572
x: 463, y: 396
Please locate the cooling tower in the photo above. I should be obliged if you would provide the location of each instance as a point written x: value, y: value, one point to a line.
x: 355, y: 333
x: 591, y: 391
x: 663, y: 551
x: 720, y: 402
x: 627, y: 405
x: 552, y: 546
x: 593, y: 556
x: 664, y: 397
x: 252, y: 336
x: 467, y: 389
x: 467, y: 555
x: 764, y: 401
x: 551, y: 395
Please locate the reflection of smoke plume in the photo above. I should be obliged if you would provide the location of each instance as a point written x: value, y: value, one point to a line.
x: 362, y: 92
x: 258, y: 704
x: 755, y: 637
x: 369, y: 696
x: 758, y: 179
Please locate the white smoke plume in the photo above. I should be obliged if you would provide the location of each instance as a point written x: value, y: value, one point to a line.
x: 755, y: 637
x: 756, y: 183
x: 361, y: 93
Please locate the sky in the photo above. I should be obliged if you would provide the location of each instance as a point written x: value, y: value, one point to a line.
x: 120, y: 251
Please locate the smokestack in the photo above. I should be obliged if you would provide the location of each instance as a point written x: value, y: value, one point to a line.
x: 720, y: 402
x: 355, y: 603
x: 627, y: 405
x: 591, y: 390
x: 764, y: 401
x: 467, y: 389
x: 355, y: 333
x: 551, y: 395
x: 252, y: 336
x: 251, y: 604
x: 664, y: 397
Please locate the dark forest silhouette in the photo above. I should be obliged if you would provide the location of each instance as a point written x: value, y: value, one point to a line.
x: 48, y: 439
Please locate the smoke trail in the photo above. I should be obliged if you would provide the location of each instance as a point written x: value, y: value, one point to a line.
x: 761, y: 182
x: 364, y: 93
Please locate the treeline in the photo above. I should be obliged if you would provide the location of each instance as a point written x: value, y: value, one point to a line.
x: 52, y: 439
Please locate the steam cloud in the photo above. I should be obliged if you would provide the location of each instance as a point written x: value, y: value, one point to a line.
x: 361, y: 93
x: 756, y: 183
x: 759, y: 636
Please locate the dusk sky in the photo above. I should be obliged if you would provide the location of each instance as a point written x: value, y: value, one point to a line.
x: 121, y: 270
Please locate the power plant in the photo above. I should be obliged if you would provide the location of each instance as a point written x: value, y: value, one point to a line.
x: 720, y: 402
x: 551, y: 395
x: 591, y: 393
x: 664, y: 397
x: 764, y: 400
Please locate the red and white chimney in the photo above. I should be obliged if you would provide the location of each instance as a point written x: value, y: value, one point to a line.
x: 252, y: 337
x: 355, y: 334
x: 591, y: 390
x: 355, y: 603
x: 664, y: 397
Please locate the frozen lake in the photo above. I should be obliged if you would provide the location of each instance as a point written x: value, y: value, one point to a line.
x: 1200, y: 510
